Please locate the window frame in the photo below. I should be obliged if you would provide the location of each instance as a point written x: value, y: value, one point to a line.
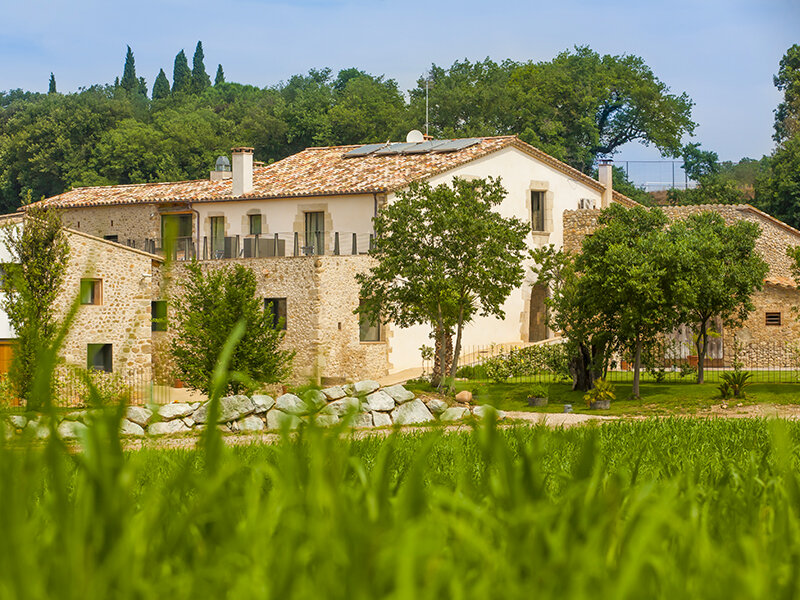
x: 96, y: 291
x: 280, y: 317
x: 251, y: 220
x: 537, y: 214
x: 108, y: 360
x: 158, y: 322
x: 364, y: 326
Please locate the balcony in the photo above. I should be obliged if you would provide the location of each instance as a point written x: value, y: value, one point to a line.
x: 337, y: 243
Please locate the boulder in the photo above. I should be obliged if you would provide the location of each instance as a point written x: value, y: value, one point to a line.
x: 251, y: 423
x: 177, y: 410
x: 484, y: 410
x: 334, y: 393
x: 289, y: 403
x: 412, y: 412
x: 231, y: 408
x: 128, y: 427
x: 38, y: 429
x: 381, y: 419
x: 361, y: 420
x: 380, y: 401
x: 277, y: 419
x: 71, y: 429
x: 454, y: 413
x: 342, y: 406
x: 188, y: 421
x: 139, y: 415
x: 315, y: 399
x: 326, y: 420
x: 464, y: 396
x: 399, y: 393
x: 363, y: 388
x: 167, y: 427
x: 436, y: 406
x: 263, y: 403
x: 18, y: 421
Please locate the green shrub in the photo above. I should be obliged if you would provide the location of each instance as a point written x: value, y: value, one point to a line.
x: 734, y: 383
x: 602, y: 390
x: 538, y: 391
x: 529, y: 361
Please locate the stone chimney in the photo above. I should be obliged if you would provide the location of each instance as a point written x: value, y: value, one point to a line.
x: 605, y: 177
x: 242, y: 170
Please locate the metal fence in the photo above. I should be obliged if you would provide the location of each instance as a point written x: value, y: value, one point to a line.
x: 335, y: 243
x: 136, y: 386
x: 768, y: 362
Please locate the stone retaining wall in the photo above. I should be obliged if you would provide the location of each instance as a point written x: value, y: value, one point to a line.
x: 363, y: 404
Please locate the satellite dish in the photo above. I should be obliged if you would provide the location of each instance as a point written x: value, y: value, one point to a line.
x: 415, y: 137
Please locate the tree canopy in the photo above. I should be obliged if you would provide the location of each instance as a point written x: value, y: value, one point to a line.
x: 574, y: 106
x: 444, y: 257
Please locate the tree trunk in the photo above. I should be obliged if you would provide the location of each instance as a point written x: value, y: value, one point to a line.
x: 443, y: 355
x: 637, y: 365
x: 702, y: 348
x: 456, y: 351
x: 581, y: 367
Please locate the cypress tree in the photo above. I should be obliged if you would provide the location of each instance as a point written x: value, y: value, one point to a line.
x: 200, y: 79
x: 129, y: 82
x: 52, y: 87
x: 181, y: 74
x: 142, y: 89
x: 220, y: 78
x: 161, y: 86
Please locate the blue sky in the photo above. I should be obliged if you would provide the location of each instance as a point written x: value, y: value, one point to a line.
x: 723, y: 53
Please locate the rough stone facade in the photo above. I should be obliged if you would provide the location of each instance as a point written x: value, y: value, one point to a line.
x: 764, y: 345
x: 135, y: 222
x: 122, y: 317
x: 321, y: 294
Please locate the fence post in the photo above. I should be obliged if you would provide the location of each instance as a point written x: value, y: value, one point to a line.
x: 336, y: 243
x: 355, y: 243
x: 296, y: 244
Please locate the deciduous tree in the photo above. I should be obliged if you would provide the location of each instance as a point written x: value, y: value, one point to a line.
x: 720, y: 270
x: 31, y: 282
x: 444, y: 256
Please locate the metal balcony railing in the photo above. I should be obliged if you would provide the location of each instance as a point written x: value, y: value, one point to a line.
x: 335, y: 243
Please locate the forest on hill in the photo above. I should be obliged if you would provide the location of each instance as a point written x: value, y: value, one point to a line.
x: 578, y: 106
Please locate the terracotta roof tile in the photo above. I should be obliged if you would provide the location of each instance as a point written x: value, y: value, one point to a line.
x: 316, y: 172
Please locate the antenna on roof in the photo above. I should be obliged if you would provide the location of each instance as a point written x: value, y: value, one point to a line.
x: 427, y: 87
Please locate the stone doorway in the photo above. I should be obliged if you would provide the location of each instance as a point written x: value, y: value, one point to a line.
x: 537, y: 326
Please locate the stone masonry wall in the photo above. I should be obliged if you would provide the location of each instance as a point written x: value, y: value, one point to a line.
x: 130, y: 221
x: 321, y: 293
x: 123, y: 318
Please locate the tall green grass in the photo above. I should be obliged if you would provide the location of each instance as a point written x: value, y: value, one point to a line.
x: 654, y: 509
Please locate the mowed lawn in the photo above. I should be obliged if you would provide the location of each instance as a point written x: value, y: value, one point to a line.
x: 657, y: 399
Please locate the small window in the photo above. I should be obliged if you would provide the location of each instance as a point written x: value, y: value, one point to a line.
x: 276, y: 306
x: 98, y: 357
x: 111, y: 238
x: 91, y: 291
x: 773, y: 318
x: 255, y: 224
x: 368, y: 330
x: 537, y: 211
x: 158, y: 315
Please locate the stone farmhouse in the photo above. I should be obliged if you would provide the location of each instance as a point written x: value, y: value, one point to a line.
x: 772, y: 325
x: 303, y: 225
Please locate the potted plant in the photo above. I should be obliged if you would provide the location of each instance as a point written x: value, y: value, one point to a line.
x: 537, y: 395
x: 601, y: 395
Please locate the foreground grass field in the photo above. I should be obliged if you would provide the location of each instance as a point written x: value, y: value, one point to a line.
x: 673, y: 508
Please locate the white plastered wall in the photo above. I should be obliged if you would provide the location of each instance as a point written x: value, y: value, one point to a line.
x: 6, y: 332
x: 520, y: 174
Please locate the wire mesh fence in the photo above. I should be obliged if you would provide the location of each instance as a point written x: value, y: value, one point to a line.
x: 665, y: 362
x: 137, y: 386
